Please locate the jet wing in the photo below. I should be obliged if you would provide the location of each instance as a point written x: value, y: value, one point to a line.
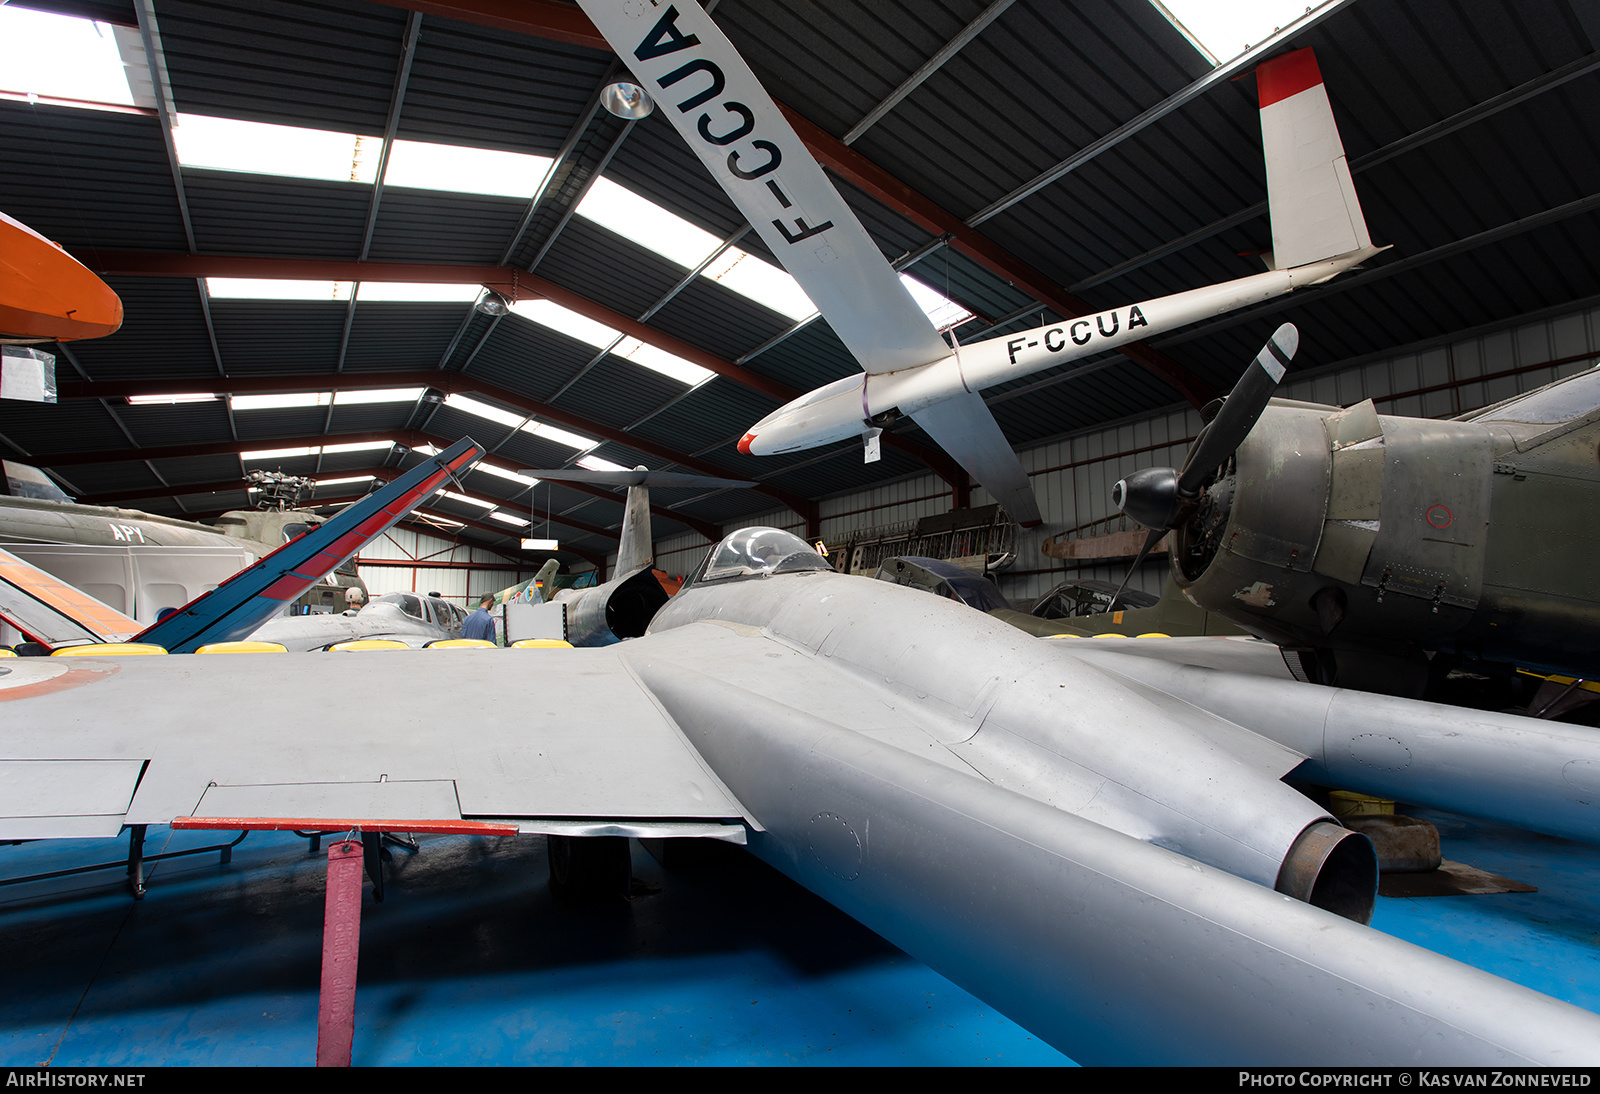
x: 708, y: 93
x: 48, y: 610
x: 565, y: 741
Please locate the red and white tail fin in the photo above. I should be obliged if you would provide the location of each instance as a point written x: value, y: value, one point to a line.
x: 1315, y: 213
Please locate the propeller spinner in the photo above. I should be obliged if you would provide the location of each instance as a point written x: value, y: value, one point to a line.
x: 1162, y: 498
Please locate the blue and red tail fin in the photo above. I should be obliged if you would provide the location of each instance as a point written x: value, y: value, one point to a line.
x: 253, y: 595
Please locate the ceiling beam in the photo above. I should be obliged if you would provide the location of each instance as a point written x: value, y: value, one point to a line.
x: 410, y: 438
x: 514, y: 282
x: 540, y: 18
x: 450, y: 383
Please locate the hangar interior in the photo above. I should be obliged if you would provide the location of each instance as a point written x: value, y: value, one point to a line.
x: 302, y: 203
x: 1023, y: 163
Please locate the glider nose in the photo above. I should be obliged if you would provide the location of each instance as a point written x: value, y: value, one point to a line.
x: 744, y: 443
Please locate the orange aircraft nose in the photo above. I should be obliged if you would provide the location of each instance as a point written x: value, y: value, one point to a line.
x: 46, y: 294
x: 744, y: 443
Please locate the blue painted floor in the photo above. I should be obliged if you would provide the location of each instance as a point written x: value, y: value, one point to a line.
x: 470, y: 960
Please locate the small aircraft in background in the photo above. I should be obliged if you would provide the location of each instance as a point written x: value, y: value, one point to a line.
x: 411, y: 618
x: 727, y: 118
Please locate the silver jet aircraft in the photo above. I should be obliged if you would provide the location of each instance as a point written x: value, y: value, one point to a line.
x: 1094, y: 856
x: 405, y: 617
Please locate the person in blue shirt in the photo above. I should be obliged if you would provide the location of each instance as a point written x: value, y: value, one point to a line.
x: 480, y: 624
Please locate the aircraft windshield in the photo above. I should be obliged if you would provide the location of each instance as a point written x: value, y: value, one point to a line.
x: 752, y: 552
x: 1559, y: 402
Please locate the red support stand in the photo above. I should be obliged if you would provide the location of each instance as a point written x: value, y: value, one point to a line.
x: 341, y: 944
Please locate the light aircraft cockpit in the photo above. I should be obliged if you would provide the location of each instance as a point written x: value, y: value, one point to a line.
x: 760, y: 552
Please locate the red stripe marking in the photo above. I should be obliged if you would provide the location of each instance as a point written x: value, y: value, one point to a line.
x: 335, y: 824
x: 287, y: 587
x: 1288, y: 75
x: 347, y: 545
x: 341, y: 945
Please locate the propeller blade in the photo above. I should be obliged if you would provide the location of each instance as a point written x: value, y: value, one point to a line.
x: 1243, y: 407
x: 1150, y: 542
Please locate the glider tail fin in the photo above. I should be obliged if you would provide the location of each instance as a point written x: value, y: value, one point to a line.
x: 1313, y: 204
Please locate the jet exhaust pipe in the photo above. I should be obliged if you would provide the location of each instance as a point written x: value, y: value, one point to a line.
x: 621, y: 608
x: 1332, y: 868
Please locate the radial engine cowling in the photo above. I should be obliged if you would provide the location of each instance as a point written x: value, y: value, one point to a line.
x: 1247, y: 550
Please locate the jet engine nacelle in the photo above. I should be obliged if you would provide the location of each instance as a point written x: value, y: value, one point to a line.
x: 621, y: 608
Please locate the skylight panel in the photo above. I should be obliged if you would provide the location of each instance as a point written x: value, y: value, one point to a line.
x: 277, y: 453
x: 345, y: 481
x: 484, y: 410
x: 659, y: 360
x: 560, y: 436
x: 61, y: 57
x: 434, y: 518
x: 507, y: 473
x: 379, y: 395
x: 600, y: 336
x: 278, y: 402
x: 1223, y: 31
x: 259, y: 148
x: 595, y: 463
x: 452, y: 495
x: 326, y: 450
x: 762, y: 282
x: 383, y: 291
x: 260, y: 288
x: 358, y: 446
x: 943, y: 312
x: 459, y: 169
x: 168, y: 400
x: 517, y: 522
x: 547, y: 313
x: 646, y: 223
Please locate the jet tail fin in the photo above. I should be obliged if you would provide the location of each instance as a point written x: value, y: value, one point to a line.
x: 634, y: 549
x: 546, y: 574
x: 1311, y: 198
x: 253, y: 595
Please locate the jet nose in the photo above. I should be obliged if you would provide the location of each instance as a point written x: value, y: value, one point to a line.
x: 744, y: 443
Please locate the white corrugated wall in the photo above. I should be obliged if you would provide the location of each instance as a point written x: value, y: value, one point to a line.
x: 460, y: 582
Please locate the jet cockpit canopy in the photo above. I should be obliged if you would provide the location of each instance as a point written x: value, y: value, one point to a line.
x: 759, y: 552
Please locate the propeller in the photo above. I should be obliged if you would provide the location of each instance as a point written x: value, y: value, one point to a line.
x: 1161, y: 498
